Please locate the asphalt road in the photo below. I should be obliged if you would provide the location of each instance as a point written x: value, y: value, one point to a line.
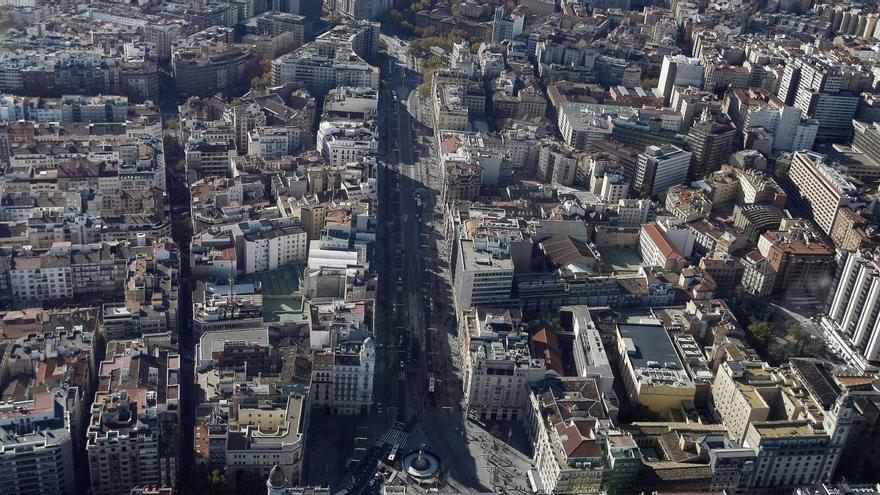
x: 416, y: 328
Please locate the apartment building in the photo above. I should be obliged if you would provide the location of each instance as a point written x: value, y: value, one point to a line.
x: 343, y: 141
x: 742, y: 393
x: 130, y: 440
x: 272, y: 143
x: 150, y: 295
x: 853, y: 312
x: 204, y: 68
x: 450, y: 110
x: 263, y: 245
x: 799, y: 452
x: 825, y: 90
x: 820, y: 190
x: 751, y: 108
x: 38, y: 461
x: 658, y: 249
x: 661, y: 167
x: 336, y: 58
x: 67, y: 271
x: 209, y: 158
x: 679, y: 70
x: 565, y: 425
x: 583, y: 124
x: 498, y: 372
x: 360, y: 9
x: 711, y: 141
x: 351, y: 102
x: 557, y: 163
x: 233, y: 312
x: 590, y: 357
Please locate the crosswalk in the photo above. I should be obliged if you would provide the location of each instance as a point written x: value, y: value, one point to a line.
x: 395, y: 436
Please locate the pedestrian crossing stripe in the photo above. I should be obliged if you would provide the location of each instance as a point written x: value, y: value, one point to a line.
x: 395, y: 436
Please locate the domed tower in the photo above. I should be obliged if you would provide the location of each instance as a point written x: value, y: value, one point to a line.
x: 277, y: 482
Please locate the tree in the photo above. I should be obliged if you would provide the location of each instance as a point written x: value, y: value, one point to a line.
x: 170, y: 146
x: 202, y: 481
x: 799, y: 337
x: 173, y: 124
x: 456, y: 36
x: 761, y: 332
x: 428, y: 68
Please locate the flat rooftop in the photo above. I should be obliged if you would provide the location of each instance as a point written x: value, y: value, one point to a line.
x: 781, y: 429
x: 483, y: 260
x: 651, y: 352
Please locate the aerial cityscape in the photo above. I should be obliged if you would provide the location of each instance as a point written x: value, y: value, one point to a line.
x: 403, y: 247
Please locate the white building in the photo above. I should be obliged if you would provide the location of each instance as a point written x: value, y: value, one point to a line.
x: 790, y: 131
x: 582, y: 124
x: 275, y: 247
x: 128, y: 437
x: 853, y: 319
x: 352, y: 102
x: 483, y: 270
x: 351, y: 377
x: 498, y: 372
x: 661, y: 167
x: 270, y: 143
x: 782, y: 461
x: 359, y: 9
x: 665, y: 245
x: 821, y: 189
x: 41, y: 278
x: 631, y: 212
x: 678, y: 70
x: 589, y: 352
x: 506, y: 27
x: 450, y: 110
x: 344, y: 141
x: 557, y: 163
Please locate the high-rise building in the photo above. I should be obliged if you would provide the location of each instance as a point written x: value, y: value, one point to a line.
x: 761, y: 108
x: 819, y: 189
x: 506, y: 27
x: 854, y: 310
x: 661, y: 167
x: 484, y: 268
x: 557, y: 163
x: 824, y: 90
x: 866, y: 138
x: 679, y: 70
x: 711, y: 141
x: 336, y: 58
x: 208, y: 62
x: 361, y: 9
x: 310, y: 9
